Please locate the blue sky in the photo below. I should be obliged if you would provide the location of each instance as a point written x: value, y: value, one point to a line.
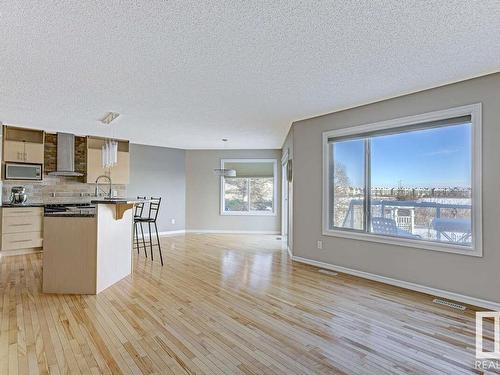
x: 439, y: 157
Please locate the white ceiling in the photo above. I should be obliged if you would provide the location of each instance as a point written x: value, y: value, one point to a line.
x: 188, y: 73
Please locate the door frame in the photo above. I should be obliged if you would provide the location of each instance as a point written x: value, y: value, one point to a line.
x: 284, y: 196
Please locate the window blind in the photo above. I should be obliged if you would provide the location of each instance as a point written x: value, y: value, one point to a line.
x: 403, y: 129
x: 251, y: 169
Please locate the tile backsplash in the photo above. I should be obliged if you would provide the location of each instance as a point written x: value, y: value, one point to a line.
x: 58, y: 189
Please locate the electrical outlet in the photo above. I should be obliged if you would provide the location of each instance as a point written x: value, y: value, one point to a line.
x: 172, y: 221
x: 320, y: 244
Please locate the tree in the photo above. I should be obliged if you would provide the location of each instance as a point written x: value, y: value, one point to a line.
x: 341, y: 181
x: 341, y: 194
x: 262, y: 191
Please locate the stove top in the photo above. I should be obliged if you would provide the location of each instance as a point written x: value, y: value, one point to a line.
x: 70, y: 204
x: 70, y: 209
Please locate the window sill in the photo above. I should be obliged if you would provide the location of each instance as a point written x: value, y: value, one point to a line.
x: 246, y: 213
x: 407, y: 242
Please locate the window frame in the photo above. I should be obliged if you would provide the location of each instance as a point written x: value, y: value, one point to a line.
x: 223, y: 212
x: 472, y: 110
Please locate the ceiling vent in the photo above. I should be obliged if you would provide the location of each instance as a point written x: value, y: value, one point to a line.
x: 443, y: 302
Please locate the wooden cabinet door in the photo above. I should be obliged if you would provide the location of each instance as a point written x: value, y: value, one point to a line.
x: 13, y: 151
x: 94, y: 165
x: 25, y: 152
x: 23, y: 145
x: 21, y: 228
x: 120, y: 172
x: 33, y: 153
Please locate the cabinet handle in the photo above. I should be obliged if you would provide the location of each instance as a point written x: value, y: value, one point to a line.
x: 22, y: 241
x: 19, y: 225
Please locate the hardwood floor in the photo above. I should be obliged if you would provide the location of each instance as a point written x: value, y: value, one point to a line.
x: 227, y: 304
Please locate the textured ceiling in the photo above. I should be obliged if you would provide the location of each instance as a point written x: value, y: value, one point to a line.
x: 188, y: 73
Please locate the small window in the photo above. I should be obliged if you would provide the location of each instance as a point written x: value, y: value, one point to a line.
x: 414, y: 183
x: 253, y: 190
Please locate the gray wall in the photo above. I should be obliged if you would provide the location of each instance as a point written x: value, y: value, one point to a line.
x: 203, y: 192
x: 160, y: 171
x: 476, y: 277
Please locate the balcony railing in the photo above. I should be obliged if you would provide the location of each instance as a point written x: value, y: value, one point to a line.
x: 433, y: 221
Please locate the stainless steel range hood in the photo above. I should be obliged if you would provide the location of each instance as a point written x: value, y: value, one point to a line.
x: 65, y: 156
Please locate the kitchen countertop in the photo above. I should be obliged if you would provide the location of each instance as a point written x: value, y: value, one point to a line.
x: 13, y: 205
x: 126, y: 200
x: 70, y: 214
x: 119, y: 201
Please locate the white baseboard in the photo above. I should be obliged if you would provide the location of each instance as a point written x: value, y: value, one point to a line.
x: 404, y: 284
x: 172, y: 232
x: 208, y: 231
x: 290, y: 254
x: 232, y: 231
x: 164, y: 233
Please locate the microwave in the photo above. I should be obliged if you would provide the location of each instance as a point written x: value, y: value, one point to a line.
x: 24, y: 171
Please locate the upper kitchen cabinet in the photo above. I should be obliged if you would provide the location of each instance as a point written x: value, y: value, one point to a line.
x: 119, y: 173
x: 23, y: 145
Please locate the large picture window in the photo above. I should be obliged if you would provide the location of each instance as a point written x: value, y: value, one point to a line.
x: 253, y: 190
x: 413, y: 181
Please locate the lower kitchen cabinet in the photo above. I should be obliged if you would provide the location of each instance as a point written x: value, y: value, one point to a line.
x: 21, y: 229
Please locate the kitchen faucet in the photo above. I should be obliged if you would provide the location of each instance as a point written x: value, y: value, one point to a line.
x: 97, y: 185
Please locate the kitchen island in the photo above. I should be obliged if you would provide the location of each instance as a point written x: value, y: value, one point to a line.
x: 87, y: 252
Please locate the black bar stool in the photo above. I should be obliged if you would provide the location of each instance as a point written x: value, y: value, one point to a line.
x: 154, y: 208
x: 139, y: 208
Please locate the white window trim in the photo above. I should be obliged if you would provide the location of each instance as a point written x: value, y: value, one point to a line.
x: 474, y: 110
x: 250, y: 213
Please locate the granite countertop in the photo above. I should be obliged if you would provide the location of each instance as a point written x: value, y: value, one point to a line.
x: 126, y: 200
x: 13, y: 205
x: 119, y: 201
x: 69, y: 214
